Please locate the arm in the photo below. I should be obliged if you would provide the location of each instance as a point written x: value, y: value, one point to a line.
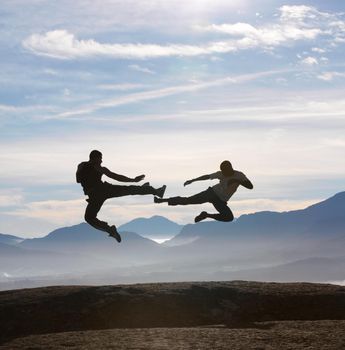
x: 119, y: 177
x: 247, y: 184
x: 200, y: 178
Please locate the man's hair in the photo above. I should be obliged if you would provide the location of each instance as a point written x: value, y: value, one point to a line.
x: 95, y: 154
x: 226, y: 168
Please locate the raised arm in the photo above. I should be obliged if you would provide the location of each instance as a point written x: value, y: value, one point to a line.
x: 121, y: 178
x: 247, y: 184
x: 200, y: 178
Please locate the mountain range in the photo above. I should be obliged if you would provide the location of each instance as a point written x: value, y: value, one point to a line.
x: 262, y: 246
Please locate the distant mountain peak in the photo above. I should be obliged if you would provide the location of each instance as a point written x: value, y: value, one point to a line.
x: 154, y: 227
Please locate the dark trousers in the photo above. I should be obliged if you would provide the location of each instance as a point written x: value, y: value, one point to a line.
x: 208, y: 196
x: 100, y: 194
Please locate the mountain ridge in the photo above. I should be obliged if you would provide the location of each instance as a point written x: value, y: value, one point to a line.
x: 266, y: 223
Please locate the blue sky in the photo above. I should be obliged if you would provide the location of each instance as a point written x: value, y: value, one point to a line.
x: 170, y: 89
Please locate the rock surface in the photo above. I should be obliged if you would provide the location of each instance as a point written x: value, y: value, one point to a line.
x: 282, y: 335
x: 241, y: 309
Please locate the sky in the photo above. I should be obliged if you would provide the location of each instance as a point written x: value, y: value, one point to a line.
x: 168, y: 89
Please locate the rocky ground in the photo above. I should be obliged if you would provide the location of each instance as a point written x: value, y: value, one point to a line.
x: 283, y: 335
x: 204, y: 315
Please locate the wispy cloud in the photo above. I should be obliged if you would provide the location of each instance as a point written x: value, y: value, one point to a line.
x: 122, y: 86
x: 164, y: 92
x: 55, y: 211
x: 9, y: 108
x: 138, y: 68
x: 11, y: 197
x: 329, y: 76
x: 245, y: 206
x: 251, y: 36
x: 294, y: 23
x: 50, y: 71
x: 318, y: 50
x: 21, y: 109
x: 69, y: 212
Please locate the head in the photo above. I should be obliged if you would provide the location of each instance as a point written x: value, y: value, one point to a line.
x: 95, y: 157
x: 226, y: 168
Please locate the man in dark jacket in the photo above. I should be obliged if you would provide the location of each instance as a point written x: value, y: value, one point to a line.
x: 89, y: 175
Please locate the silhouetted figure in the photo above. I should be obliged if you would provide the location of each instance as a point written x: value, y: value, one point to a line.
x: 89, y: 175
x: 218, y: 195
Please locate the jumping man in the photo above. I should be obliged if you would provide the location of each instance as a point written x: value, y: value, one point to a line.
x: 218, y: 195
x: 89, y: 175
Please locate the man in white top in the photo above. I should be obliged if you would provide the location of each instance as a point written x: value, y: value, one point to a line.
x: 218, y: 195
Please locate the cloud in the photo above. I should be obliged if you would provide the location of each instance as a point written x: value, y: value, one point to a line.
x: 140, y: 69
x: 60, y: 213
x: 55, y: 211
x: 11, y: 197
x: 318, y: 50
x: 329, y: 76
x: 310, y: 61
x: 23, y: 109
x: 9, y: 108
x: 295, y: 23
x: 66, y: 92
x: 119, y: 210
x: 50, y: 71
x: 291, y: 26
x: 216, y: 59
x: 247, y: 206
x: 122, y: 86
x: 63, y: 45
x: 298, y: 13
x: 251, y: 37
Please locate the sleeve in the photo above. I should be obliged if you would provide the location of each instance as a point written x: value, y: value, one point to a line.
x: 216, y: 175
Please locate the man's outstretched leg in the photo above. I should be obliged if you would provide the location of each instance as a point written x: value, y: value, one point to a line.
x: 199, y: 198
x: 132, y: 190
x: 92, y: 209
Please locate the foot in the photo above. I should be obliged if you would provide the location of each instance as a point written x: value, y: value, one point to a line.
x: 113, y: 233
x: 158, y: 200
x: 201, y: 216
x: 160, y: 191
